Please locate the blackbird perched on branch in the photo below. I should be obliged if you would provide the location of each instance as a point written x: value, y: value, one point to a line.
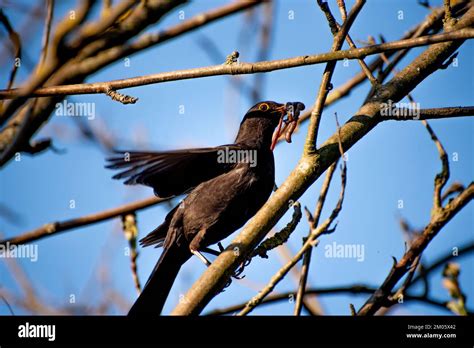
x: 226, y: 186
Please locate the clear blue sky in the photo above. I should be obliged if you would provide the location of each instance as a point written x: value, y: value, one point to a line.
x: 396, y: 161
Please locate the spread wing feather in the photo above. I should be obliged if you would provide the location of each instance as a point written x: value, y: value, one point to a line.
x: 170, y: 173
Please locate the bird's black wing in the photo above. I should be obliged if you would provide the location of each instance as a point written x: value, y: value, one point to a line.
x: 171, y: 173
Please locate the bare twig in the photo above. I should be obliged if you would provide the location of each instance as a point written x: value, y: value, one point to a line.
x: 325, y: 86
x: 451, y: 282
x: 7, y: 304
x: 448, y: 17
x: 54, y: 228
x: 342, y: 9
x: 16, y: 42
x: 130, y: 229
x: 400, y: 114
x: 307, y: 256
x: 243, y: 68
x: 443, y: 176
x: 324, y: 6
x: 456, y: 187
x: 335, y: 27
x: 47, y: 30
x: 461, y: 252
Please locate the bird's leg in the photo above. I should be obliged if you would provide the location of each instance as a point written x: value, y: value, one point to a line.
x: 201, y: 257
x: 211, y: 251
x: 195, y: 246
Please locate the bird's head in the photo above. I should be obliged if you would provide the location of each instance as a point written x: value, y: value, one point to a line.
x: 260, y: 121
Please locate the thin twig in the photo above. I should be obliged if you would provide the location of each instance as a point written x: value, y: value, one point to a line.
x: 243, y: 68
x: 307, y: 256
x: 325, y: 86
x: 401, y: 114
x: 451, y: 282
x: 342, y: 9
x: 130, y: 229
x: 47, y: 30
x: 54, y: 228
x: 456, y: 187
x: 448, y: 17
x: 335, y: 27
x: 443, y: 176
x: 16, y: 42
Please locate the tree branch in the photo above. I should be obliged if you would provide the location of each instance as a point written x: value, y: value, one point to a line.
x: 401, y: 114
x: 47, y: 30
x: 307, y: 256
x: 242, y: 68
x: 16, y: 42
x: 54, y: 228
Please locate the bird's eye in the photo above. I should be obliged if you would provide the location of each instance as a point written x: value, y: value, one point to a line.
x: 263, y: 107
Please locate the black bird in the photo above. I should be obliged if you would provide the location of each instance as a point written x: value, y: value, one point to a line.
x: 227, y: 185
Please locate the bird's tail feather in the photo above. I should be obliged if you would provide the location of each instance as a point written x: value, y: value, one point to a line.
x: 153, y: 297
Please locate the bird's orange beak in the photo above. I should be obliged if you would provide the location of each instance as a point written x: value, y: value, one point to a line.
x: 278, y: 130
